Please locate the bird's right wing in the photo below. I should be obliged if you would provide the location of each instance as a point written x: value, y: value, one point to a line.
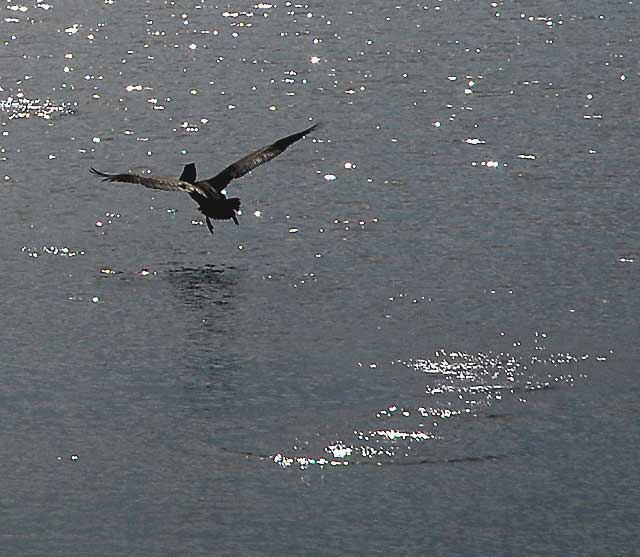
x: 253, y: 160
x: 154, y: 182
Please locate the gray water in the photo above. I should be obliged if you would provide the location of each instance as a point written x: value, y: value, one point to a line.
x: 422, y: 337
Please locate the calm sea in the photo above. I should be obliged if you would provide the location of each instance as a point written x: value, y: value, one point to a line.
x: 422, y: 339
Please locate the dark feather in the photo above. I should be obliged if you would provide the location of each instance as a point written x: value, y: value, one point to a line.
x: 208, y: 193
x: 189, y: 173
x: 253, y: 160
x: 154, y: 182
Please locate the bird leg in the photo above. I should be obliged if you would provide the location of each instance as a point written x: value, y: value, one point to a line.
x: 209, y: 225
x: 235, y: 219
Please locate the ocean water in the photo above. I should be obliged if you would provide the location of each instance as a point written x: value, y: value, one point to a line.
x: 422, y: 339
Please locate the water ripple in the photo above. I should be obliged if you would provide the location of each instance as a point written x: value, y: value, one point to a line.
x: 459, y: 386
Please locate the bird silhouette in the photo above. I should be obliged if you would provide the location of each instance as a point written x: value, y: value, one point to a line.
x: 208, y: 194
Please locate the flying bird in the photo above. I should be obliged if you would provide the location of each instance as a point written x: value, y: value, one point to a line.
x: 208, y: 194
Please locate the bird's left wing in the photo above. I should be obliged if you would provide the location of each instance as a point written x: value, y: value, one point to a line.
x: 154, y: 182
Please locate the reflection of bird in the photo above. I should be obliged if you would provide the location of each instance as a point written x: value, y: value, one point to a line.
x: 204, y: 287
x: 208, y: 194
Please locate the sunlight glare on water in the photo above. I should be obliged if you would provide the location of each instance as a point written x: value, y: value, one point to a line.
x: 434, y: 295
x: 460, y: 386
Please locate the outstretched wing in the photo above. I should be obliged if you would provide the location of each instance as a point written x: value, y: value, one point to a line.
x: 253, y: 160
x: 154, y: 182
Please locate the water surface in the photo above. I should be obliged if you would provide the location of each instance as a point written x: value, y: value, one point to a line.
x: 422, y: 338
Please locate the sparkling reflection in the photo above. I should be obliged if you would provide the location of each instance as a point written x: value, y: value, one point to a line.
x: 460, y: 389
x: 20, y: 106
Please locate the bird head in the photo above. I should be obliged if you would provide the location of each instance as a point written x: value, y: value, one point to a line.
x: 189, y: 173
